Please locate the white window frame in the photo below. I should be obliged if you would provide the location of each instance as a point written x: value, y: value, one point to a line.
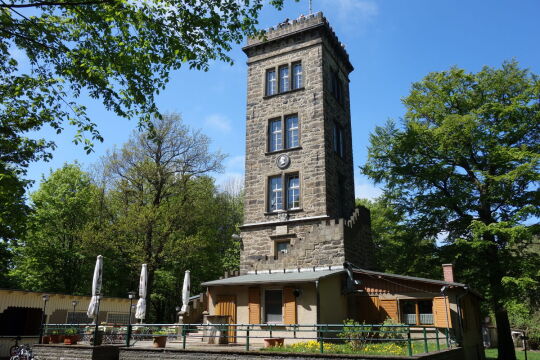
x: 297, y: 78
x: 271, y: 83
x: 284, y: 83
x: 275, y: 193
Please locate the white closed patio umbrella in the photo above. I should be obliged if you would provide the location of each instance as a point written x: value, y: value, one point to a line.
x: 185, y: 293
x: 140, y: 312
x: 93, y: 308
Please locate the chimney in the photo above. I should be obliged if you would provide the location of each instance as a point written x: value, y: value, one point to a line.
x: 448, y: 272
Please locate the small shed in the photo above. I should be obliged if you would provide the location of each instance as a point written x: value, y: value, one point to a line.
x: 21, y: 313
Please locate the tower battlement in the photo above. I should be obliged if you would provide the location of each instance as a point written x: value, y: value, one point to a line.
x: 296, y: 26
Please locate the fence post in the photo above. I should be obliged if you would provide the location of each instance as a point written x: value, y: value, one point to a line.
x: 128, y: 335
x: 321, y: 342
x: 425, y: 341
x: 409, y: 344
x: 447, y: 338
x: 437, y: 337
x: 183, y: 337
x: 270, y: 330
x: 247, y: 338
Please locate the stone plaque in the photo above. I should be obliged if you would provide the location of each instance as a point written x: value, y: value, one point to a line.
x: 283, y: 161
x: 282, y: 230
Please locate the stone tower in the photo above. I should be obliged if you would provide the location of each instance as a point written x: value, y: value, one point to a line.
x: 299, y: 184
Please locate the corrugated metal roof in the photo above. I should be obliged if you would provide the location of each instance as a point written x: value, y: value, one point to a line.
x: 405, y: 277
x: 277, y: 277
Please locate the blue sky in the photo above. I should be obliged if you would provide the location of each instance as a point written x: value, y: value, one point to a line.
x: 391, y: 44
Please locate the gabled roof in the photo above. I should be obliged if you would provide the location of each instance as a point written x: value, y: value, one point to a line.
x: 405, y: 277
x: 275, y: 278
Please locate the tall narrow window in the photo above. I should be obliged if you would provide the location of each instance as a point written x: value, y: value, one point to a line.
x: 275, y: 193
x: 273, y: 306
x: 276, y: 135
x: 292, y: 131
x: 283, y: 79
x: 293, y: 192
x: 338, y: 140
x: 297, y: 75
x: 271, y: 87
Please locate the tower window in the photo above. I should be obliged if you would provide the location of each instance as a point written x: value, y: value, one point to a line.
x: 280, y: 200
x: 297, y: 75
x: 281, y: 248
x: 293, y: 192
x: 336, y: 86
x: 283, y: 79
x: 279, y: 139
x: 292, y: 131
x: 275, y: 193
x: 271, y: 87
x: 338, y: 140
x: 276, y: 135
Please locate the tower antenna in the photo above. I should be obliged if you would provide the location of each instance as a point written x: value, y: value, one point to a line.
x: 311, y: 6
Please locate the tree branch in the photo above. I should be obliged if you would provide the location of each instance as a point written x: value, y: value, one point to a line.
x: 54, y: 3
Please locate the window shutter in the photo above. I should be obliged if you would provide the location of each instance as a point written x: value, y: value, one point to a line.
x: 389, y: 309
x: 254, y: 305
x: 441, y: 312
x: 289, y: 306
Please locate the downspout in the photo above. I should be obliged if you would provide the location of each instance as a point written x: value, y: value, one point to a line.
x: 458, y: 303
x: 446, y: 308
x: 318, y: 300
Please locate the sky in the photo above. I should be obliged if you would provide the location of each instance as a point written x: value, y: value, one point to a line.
x: 391, y: 44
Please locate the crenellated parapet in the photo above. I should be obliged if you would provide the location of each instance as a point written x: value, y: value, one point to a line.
x: 302, y: 24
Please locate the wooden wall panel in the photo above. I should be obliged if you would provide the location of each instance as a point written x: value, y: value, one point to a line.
x: 389, y: 309
x: 254, y: 305
x: 289, y: 306
x: 441, y: 312
x: 226, y: 305
x: 368, y: 309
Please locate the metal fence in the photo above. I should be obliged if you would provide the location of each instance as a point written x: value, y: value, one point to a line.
x: 413, y: 338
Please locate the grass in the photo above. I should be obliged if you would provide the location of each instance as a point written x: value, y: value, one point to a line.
x: 491, y: 354
x: 380, y: 348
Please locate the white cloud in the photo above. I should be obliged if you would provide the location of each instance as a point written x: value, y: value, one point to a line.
x: 367, y: 191
x: 352, y: 12
x: 218, y: 122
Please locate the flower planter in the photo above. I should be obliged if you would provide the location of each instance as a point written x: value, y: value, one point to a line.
x: 55, y: 338
x: 272, y: 342
x: 159, y: 341
x: 45, y: 339
x: 71, y: 339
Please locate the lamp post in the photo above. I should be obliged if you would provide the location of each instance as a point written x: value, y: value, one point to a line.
x: 45, y: 298
x: 74, y: 304
x: 131, y: 296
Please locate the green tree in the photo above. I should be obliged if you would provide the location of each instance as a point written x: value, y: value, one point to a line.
x: 400, y: 248
x: 466, y: 162
x: 119, y: 52
x: 159, y: 196
x: 52, y: 255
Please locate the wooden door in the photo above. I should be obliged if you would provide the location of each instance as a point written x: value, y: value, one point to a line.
x: 441, y: 312
x: 226, y: 305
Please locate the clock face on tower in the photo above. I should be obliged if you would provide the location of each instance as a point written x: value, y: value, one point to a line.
x: 283, y: 161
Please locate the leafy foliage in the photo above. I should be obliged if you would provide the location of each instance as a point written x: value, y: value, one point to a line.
x: 401, y: 249
x: 119, y: 52
x: 465, y: 162
x: 52, y: 252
